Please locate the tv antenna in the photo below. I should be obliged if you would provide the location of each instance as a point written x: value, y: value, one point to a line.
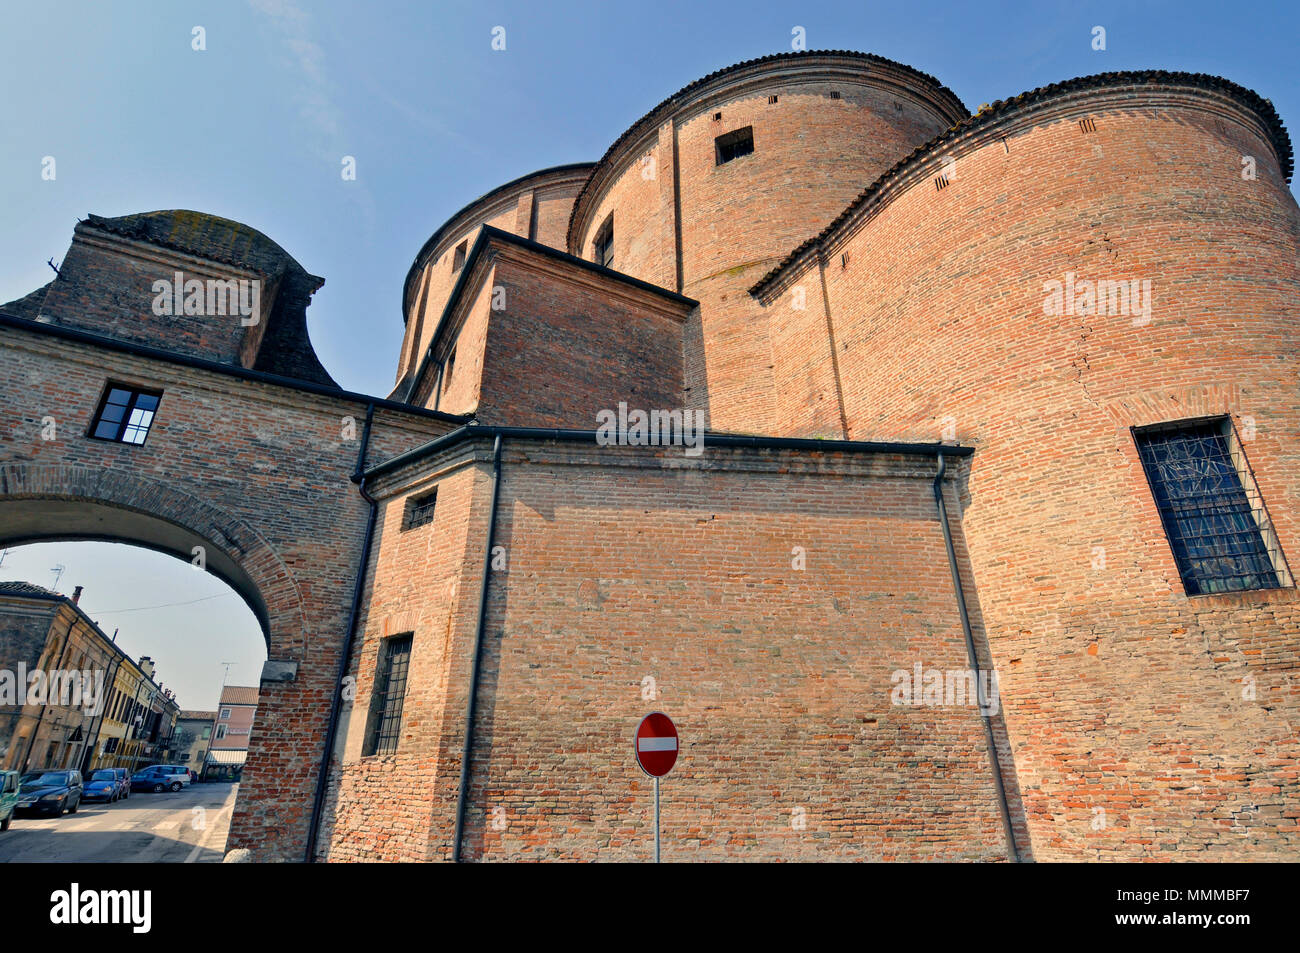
x: 58, y: 570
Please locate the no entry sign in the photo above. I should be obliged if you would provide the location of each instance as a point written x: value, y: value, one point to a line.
x: 656, y: 744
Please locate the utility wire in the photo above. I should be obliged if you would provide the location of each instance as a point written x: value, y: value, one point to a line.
x: 165, y: 605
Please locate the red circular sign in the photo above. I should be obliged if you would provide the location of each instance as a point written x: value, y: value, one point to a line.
x: 656, y: 744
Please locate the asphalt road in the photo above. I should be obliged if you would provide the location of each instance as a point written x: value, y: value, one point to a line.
x: 144, y: 828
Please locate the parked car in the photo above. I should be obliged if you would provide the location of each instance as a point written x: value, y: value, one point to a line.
x: 107, y: 784
x: 123, y: 780
x: 50, y: 792
x: 160, y: 777
x: 9, y: 781
x: 177, y: 771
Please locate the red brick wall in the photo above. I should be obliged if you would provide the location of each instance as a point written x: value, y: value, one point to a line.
x: 538, y: 208
x: 568, y: 345
x: 456, y: 388
x: 1123, y: 694
x: 812, y: 156
x: 778, y: 678
x: 105, y: 285
x: 258, y: 475
x: 423, y: 581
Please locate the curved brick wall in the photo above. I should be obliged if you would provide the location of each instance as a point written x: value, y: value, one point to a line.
x: 686, y: 223
x: 1128, y: 703
x: 535, y: 206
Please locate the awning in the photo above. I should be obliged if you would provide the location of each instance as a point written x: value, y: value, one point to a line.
x: 227, y: 757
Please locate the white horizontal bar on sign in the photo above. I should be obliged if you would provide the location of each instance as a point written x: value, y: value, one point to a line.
x: 656, y: 744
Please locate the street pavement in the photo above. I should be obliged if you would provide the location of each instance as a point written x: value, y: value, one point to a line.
x: 189, y: 826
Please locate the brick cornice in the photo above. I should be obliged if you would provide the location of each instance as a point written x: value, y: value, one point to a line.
x: 499, y: 199
x: 1083, y: 96
x: 747, y: 77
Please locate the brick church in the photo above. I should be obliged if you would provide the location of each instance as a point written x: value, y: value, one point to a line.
x: 935, y: 471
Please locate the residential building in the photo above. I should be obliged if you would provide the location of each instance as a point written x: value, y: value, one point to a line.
x: 228, y: 749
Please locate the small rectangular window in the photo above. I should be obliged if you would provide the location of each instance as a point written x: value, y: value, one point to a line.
x: 125, y: 414
x: 389, y: 695
x: 419, y: 510
x: 1212, y: 512
x: 733, y: 145
x: 603, y: 246
x: 225, y: 713
x: 458, y: 261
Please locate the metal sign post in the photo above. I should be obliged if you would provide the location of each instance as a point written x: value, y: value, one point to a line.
x: 656, y: 820
x: 656, y: 752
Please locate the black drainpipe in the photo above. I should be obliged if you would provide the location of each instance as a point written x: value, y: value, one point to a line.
x: 470, y: 704
x: 345, y: 657
x: 974, y: 659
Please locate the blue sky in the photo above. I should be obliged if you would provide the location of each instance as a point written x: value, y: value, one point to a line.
x: 255, y: 128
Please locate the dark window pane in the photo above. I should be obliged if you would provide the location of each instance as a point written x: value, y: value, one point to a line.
x: 1212, y: 525
x: 733, y: 145
x: 419, y: 511
x: 125, y: 415
x: 389, y: 696
x: 113, y: 412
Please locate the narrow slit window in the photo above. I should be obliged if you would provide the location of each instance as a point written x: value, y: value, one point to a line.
x: 125, y: 414
x: 389, y: 696
x: 733, y: 145
x: 1213, y: 514
x: 458, y: 261
x: 603, y: 246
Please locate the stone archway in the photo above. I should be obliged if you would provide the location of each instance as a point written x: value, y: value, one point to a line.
x: 46, y: 502
x: 50, y: 502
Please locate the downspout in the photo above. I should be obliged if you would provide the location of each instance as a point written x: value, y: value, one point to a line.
x: 345, y: 657
x: 470, y: 704
x: 974, y: 660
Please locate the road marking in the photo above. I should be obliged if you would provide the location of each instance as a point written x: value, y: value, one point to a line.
x: 226, y: 809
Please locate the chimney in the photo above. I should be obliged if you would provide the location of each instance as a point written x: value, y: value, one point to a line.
x: 76, y: 595
x: 146, y: 666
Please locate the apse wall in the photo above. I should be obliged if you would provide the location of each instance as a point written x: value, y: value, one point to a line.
x: 534, y: 206
x: 1144, y: 721
x: 823, y: 125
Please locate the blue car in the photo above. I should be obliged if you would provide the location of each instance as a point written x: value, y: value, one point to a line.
x: 107, y: 784
x: 157, y: 778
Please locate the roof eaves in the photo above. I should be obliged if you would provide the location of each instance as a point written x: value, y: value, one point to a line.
x: 1005, y: 107
x: 487, y: 234
x: 639, y: 126
x: 438, y: 235
x: 744, y: 441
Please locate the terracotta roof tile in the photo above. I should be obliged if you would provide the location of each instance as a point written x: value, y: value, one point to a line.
x: 239, y: 695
